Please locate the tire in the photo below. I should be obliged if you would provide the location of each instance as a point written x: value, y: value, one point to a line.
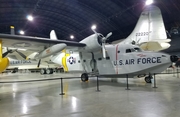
x: 13, y: 71
x: 84, y: 77
x: 148, y: 79
x: 49, y: 70
x: 43, y: 71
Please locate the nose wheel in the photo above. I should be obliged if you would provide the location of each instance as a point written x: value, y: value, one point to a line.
x: 148, y: 79
x: 84, y: 77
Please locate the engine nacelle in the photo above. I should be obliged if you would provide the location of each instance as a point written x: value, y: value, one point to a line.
x: 4, y: 63
x: 93, y: 42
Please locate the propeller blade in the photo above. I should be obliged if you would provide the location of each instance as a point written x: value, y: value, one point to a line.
x: 108, y: 35
x: 103, y: 50
x: 21, y: 54
x: 39, y: 63
x: 6, y: 53
x: 104, y: 42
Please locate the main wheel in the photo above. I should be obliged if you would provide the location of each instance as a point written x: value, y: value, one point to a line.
x: 84, y: 77
x: 43, y: 71
x: 49, y: 70
x: 148, y: 79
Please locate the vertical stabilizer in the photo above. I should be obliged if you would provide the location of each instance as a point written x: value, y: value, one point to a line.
x: 150, y: 27
x: 53, y: 35
x: 12, y: 30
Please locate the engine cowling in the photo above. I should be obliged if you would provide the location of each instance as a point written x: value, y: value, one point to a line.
x: 93, y: 42
x: 4, y: 63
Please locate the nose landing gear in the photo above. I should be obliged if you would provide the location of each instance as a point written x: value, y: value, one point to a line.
x: 148, y: 79
x: 84, y: 77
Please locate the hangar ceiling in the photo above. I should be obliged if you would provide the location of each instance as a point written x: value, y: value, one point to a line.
x: 75, y: 17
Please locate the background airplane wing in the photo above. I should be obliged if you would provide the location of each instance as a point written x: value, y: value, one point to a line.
x: 35, y: 43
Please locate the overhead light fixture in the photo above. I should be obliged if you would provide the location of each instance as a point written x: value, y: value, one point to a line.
x: 21, y: 32
x: 72, y: 37
x: 93, y: 27
x: 148, y: 2
x: 30, y: 17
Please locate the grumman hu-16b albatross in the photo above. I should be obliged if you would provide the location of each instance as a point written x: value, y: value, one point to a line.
x: 114, y: 60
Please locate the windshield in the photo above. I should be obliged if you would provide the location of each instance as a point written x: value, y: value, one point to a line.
x: 137, y: 49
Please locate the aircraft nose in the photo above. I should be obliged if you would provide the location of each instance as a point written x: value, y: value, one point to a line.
x: 174, y: 58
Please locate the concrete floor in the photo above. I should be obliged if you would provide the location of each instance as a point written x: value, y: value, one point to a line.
x: 42, y: 99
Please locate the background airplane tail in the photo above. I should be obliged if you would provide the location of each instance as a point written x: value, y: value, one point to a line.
x: 149, y: 31
x: 53, y: 35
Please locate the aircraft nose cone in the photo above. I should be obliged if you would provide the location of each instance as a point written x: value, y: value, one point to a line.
x: 174, y: 58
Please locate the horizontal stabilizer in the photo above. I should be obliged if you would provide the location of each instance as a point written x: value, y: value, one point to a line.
x: 161, y: 40
x: 154, y: 46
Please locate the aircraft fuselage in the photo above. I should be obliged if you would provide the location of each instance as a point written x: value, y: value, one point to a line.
x: 121, y: 60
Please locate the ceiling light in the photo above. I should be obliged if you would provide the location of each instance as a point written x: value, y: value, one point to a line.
x: 30, y: 17
x: 72, y: 37
x: 93, y: 27
x: 21, y: 32
x: 148, y: 2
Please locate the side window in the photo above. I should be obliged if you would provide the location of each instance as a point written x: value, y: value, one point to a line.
x: 133, y: 50
x: 128, y: 50
x: 138, y: 49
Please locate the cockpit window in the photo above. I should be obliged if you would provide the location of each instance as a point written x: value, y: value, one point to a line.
x: 137, y: 49
x: 128, y: 50
x: 133, y: 50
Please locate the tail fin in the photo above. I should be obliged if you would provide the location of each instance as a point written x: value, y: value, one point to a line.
x: 53, y: 35
x: 150, y: 27
x: 12, y: 30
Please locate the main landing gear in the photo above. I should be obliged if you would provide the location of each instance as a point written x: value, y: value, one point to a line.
x: 84, y: 77
x: 148, y: 79
x: 46, y: 71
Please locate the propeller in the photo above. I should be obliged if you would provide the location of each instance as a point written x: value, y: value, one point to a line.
x: 25, y: 57
x: 103, y: 40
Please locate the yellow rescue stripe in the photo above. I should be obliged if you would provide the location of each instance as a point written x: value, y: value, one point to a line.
x: 4, y: 62
x: 64, y: 61
x: 0, y: 49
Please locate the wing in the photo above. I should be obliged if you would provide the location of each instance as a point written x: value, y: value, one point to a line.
x: 35, y: 44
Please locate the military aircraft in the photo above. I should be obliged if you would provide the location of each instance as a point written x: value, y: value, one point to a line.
x: 127, y: 56
x: 92, y: 55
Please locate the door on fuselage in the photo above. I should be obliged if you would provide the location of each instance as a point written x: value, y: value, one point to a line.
x: 123, y: 57
x: 105, y: 65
